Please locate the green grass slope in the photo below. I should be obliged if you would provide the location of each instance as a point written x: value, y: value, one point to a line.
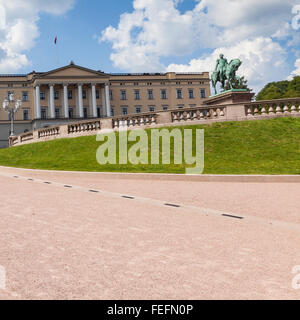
x: 249, y: 147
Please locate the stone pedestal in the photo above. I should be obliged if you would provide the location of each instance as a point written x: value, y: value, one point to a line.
x: 238, y: 96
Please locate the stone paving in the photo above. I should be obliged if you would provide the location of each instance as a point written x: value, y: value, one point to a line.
x: 75, y: 235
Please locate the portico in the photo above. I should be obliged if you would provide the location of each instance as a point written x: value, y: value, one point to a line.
x: 65, y: 94
x: 71, y: 92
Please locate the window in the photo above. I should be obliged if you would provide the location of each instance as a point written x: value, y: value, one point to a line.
x: 191, y: 93
x: 137, y: 95
x: 165, y: 108
x: 56, y: 95
x: 151, y: 108
x: 110, y: 95
x: 112, y: 112
x: 44, y: 113
x: 150, y: 95
x: 43, y: 95
x: 149, y: 83
x: 25, y: 96
x: 136, y: 84
x: 180, y: 106
x: 203, y: 93
x: 138, y: 109
x: 192, y: 106
x: 57, y: 113
x: 71, y: 113
x: 9, y: 93
x: 179, y: 94
x: 123, y: 94
x: 98, y: 113
x: 124, y: 110
x: 164, y: 94
x: 24, y: 85
x: 97, y: 94
x: 83, y: 94
x: 25, y: 114
x: 190, y: 82
x: 70, y: 94
x: 178, y: 82
x: 85, y: 112
x: 10, y: 85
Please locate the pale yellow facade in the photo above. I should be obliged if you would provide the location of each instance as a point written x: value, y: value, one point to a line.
x: 73, y: 92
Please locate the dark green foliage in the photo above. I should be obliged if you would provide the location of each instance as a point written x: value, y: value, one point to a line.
x: 281, y: 89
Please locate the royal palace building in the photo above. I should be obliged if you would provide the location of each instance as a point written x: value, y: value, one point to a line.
x: 73, y: 93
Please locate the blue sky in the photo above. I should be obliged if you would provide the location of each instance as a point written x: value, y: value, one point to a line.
x: 152, y: 35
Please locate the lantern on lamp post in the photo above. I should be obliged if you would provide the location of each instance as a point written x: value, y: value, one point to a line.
x: 11, y: 107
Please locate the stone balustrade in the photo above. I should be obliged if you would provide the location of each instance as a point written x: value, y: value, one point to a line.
x: 48, y: 132
x: 197, y: 114
x: 202, y: 114
x: 26, y: 136
x: 278, y: 107
x: 131, y: 121
x: 85, y: 126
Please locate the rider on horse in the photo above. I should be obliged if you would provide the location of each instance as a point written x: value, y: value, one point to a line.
x: 221, y: 67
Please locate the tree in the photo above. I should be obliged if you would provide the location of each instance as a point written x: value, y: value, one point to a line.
x: 236, y: 85
x: 280, y: 89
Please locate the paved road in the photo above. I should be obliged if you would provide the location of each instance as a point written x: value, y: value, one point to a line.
x: 89, y: 236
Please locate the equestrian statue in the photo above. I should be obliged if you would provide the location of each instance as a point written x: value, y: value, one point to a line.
x: 225, y: 71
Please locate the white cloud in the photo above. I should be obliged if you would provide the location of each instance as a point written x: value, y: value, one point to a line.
x: 295, y: 72
x: 19, y: 30
x: 248, y: 29
x: 263, y: 61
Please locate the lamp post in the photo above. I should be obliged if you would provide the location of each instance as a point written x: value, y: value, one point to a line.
x: 10, y: 106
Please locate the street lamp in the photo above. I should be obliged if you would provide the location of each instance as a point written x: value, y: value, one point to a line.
x: 10, y: 106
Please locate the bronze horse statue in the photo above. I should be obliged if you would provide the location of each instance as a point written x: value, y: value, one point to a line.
x: 229, y: 75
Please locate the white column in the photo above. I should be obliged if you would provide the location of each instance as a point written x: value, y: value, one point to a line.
x: 94, y: 101
x: 80, y: 101
x: 107, y: 98
x: 66, y: 102
x: 103, y: 102
x: 37, y: 103
x: 51, y: 101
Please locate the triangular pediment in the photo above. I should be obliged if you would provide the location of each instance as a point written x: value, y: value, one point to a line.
x: 72, y: 70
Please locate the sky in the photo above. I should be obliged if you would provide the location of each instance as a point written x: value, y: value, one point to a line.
x: 152, y: 36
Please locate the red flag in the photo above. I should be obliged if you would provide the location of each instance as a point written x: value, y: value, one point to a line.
x: 55, y: 40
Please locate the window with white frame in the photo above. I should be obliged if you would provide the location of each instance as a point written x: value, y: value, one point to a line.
x: 137, y: 95
x: 25, y: 96
x: 163, y: 94
x: 150, y: 95
x: 191, y: 94
x: 123, y: 94
x: 179, y: 93
x: 25, y: 114
x: 138, y: 109
x: 124, y: 110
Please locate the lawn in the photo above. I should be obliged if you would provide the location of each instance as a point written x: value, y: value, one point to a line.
x: 248, y: 147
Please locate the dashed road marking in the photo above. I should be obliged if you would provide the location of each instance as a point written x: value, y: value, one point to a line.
x: 172, y: 205
x: 155, y: 202
x: 231, y: 216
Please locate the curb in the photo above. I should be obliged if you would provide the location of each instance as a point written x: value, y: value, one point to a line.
x: 179, y: 177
